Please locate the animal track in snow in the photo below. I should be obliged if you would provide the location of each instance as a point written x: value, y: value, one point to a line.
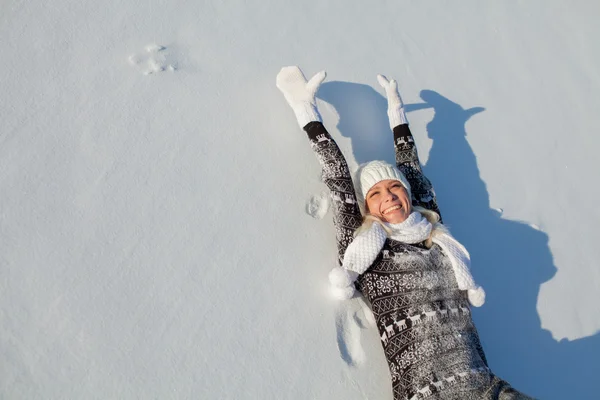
x: 317, y: 206
x: 155, y: 59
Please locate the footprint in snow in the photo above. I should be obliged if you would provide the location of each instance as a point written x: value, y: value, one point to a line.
x: 318, y: 205
x: 154, y: 59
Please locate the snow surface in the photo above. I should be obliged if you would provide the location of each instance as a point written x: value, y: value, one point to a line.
x: 160, y: 211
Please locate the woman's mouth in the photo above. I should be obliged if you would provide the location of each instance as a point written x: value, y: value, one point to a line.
x: 391, y: 209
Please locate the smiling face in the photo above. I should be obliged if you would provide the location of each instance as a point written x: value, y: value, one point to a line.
x: 389, y: 201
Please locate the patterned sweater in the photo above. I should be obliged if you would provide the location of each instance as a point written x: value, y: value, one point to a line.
x: 428, y: 336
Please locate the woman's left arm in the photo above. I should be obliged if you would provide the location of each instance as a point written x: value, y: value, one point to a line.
x: 407, y: 157
x: 407, y: 161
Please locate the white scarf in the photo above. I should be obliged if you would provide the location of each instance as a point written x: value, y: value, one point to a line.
x: 365, y: 248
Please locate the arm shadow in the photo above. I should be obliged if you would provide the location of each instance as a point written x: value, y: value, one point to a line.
x: 510, y: 259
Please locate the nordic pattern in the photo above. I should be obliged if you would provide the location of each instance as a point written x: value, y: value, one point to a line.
x: 336, y: 175
x: 407, y: 160
x: 425, y: 325
x: 424, y: 321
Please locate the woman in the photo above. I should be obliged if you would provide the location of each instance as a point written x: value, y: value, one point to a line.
x: 413, y: 273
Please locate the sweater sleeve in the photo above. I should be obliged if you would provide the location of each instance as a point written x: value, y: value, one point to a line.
x: 407, y: 160
x: 336, y: 175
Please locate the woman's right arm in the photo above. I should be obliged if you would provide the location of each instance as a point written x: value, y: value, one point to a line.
x: 336, y: 175
x: 300, y: 95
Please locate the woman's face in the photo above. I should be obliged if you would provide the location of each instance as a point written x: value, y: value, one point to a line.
x: 389, y: 201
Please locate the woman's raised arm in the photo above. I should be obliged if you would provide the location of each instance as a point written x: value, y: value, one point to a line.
x: 300, y: 94
x: 407, y: 158
x: 336, y: 175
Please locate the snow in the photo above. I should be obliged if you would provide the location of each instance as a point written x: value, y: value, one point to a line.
x: 318, y: 205
x: 161, y: 214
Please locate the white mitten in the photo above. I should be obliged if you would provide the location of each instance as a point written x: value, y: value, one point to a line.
x: 476, y: 296
x: 395, y: 106
x: 300, y: 94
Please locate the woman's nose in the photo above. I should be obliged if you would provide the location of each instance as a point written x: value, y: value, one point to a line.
x: 390, y: 195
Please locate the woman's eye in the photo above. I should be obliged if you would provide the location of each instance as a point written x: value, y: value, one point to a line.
x: 373, y: 194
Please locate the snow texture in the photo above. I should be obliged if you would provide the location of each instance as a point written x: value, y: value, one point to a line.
x: 318, y: 205
x: 153, y: 235
x: 155, y: 59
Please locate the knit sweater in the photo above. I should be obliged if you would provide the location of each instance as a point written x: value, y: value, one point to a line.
x: 430, y: 342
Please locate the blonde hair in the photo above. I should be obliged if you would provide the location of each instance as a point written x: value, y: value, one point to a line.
x: 431, y: 216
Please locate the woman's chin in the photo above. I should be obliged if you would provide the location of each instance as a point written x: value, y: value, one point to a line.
x: 395, y: 218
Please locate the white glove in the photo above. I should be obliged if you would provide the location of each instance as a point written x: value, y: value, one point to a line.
x: 476, y: 296
x: 300, y: 94
x: 342, y: 283
x: 395, y: 106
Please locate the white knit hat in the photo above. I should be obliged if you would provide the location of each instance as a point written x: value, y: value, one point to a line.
x: 371, y: 173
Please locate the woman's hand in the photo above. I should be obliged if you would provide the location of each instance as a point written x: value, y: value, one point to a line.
x: 300, y: 93
x: 391, y: 90
x: 395, y: 104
